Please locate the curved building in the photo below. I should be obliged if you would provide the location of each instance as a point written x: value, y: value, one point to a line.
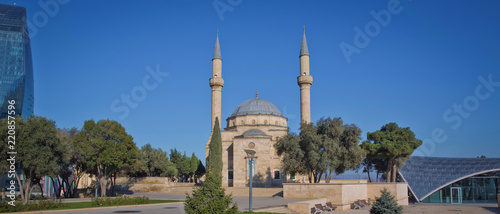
x: 16, y: 68
x: 453, y: 180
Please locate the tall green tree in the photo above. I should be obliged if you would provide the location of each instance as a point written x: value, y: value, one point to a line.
x: 193, y: 163
x: 215, y: 150
x: 328, y: 147
x: 153, y: 162
x: 182, y: 163
x: 200, y: 171
x: 39, y: 151
x: 393, y: 143
x: 211, y: 197
x: 105, y: 148
x: 72, y: 166
x: 341, y: 146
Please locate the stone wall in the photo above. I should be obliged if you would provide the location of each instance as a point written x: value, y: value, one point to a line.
x: 342, y: 193
x: 143, y: 184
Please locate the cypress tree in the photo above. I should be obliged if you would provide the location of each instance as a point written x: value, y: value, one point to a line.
x: 215, y: 150
x: 211, y: 198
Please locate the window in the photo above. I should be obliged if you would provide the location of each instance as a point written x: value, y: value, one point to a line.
x: 277, y: 174
x: 265, y: 122
x: 230, y: 174
x: 276, y: 122
x: 253, y: 121
x: 292, y: 176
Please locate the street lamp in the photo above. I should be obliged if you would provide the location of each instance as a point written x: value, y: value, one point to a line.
x: 250, y: 156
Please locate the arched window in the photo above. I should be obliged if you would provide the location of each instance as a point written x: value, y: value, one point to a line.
x: 253, y: 121
x: 242, y: 122
x: 265, y: 122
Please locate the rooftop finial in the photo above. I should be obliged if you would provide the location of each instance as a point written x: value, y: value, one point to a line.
x: 256, y: 94
x: 303, y: 47
x: 217, y: 54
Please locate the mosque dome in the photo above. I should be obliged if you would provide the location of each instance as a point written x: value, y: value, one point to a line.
x: 254, y: 132
x: 256, y: 106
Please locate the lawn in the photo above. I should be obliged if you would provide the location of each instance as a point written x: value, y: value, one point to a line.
x: 88, y: 204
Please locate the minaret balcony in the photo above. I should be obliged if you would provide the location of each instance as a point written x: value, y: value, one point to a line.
x: 216, y: 81
x: 305, y: 79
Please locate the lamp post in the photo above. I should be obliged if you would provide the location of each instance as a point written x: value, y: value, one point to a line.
x: 250, y: 156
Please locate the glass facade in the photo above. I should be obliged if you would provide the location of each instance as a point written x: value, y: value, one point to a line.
x: 478, y: 189
x: 452, y: 180
x: 16, y: 68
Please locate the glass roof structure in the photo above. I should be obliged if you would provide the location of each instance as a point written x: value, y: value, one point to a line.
x: 426, y: 175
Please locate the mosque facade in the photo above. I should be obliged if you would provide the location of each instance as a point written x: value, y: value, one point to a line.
x: 255, y: 124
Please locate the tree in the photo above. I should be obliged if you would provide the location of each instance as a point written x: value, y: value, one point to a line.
x: 392, y: 143
x: 39, y: 151
x: 215, y: 150
x: 105, y: 148
x: 328, y: 147
x: 153, y: 162
x: 289, y: 148
x: 200, y: 171
x: 374, y: 164
x: 72, y: 168
x: 182, y: 163
x: 341, y: 149
x: 386, y: 204
x: 211, y: 197
x: 193, y: 163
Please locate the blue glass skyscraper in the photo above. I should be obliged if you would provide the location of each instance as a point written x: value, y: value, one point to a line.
x: 16, y: 67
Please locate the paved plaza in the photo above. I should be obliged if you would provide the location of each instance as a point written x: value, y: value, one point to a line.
x: 268, y: 204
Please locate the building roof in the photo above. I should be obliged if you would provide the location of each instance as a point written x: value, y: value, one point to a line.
x: 256, y: 106
x: 254, y: 132
x: 426, y: 175
x: 12, y: 15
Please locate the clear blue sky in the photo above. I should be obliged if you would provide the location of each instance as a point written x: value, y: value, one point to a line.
x: 424, y: 60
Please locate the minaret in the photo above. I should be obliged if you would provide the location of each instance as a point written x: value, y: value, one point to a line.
x: 216, y: 83
x: 305, y: 81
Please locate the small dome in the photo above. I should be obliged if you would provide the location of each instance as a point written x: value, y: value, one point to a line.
x: 254, y: 132
x: 256, y: 106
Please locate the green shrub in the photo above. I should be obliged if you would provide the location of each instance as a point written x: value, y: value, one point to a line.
x: 386, y: 204
x: 31, y: 205
x: 210, y: 198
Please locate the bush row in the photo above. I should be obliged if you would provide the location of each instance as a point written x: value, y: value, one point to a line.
x: 119, y: 200
x: 31, y: 205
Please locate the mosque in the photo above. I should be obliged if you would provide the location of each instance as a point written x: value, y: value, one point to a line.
x: 256, y: 124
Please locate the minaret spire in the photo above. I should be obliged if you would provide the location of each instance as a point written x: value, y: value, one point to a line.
x: 303, y: 47
x: 305, y: 81
x: 217, y: 47
x: 216, y: 83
